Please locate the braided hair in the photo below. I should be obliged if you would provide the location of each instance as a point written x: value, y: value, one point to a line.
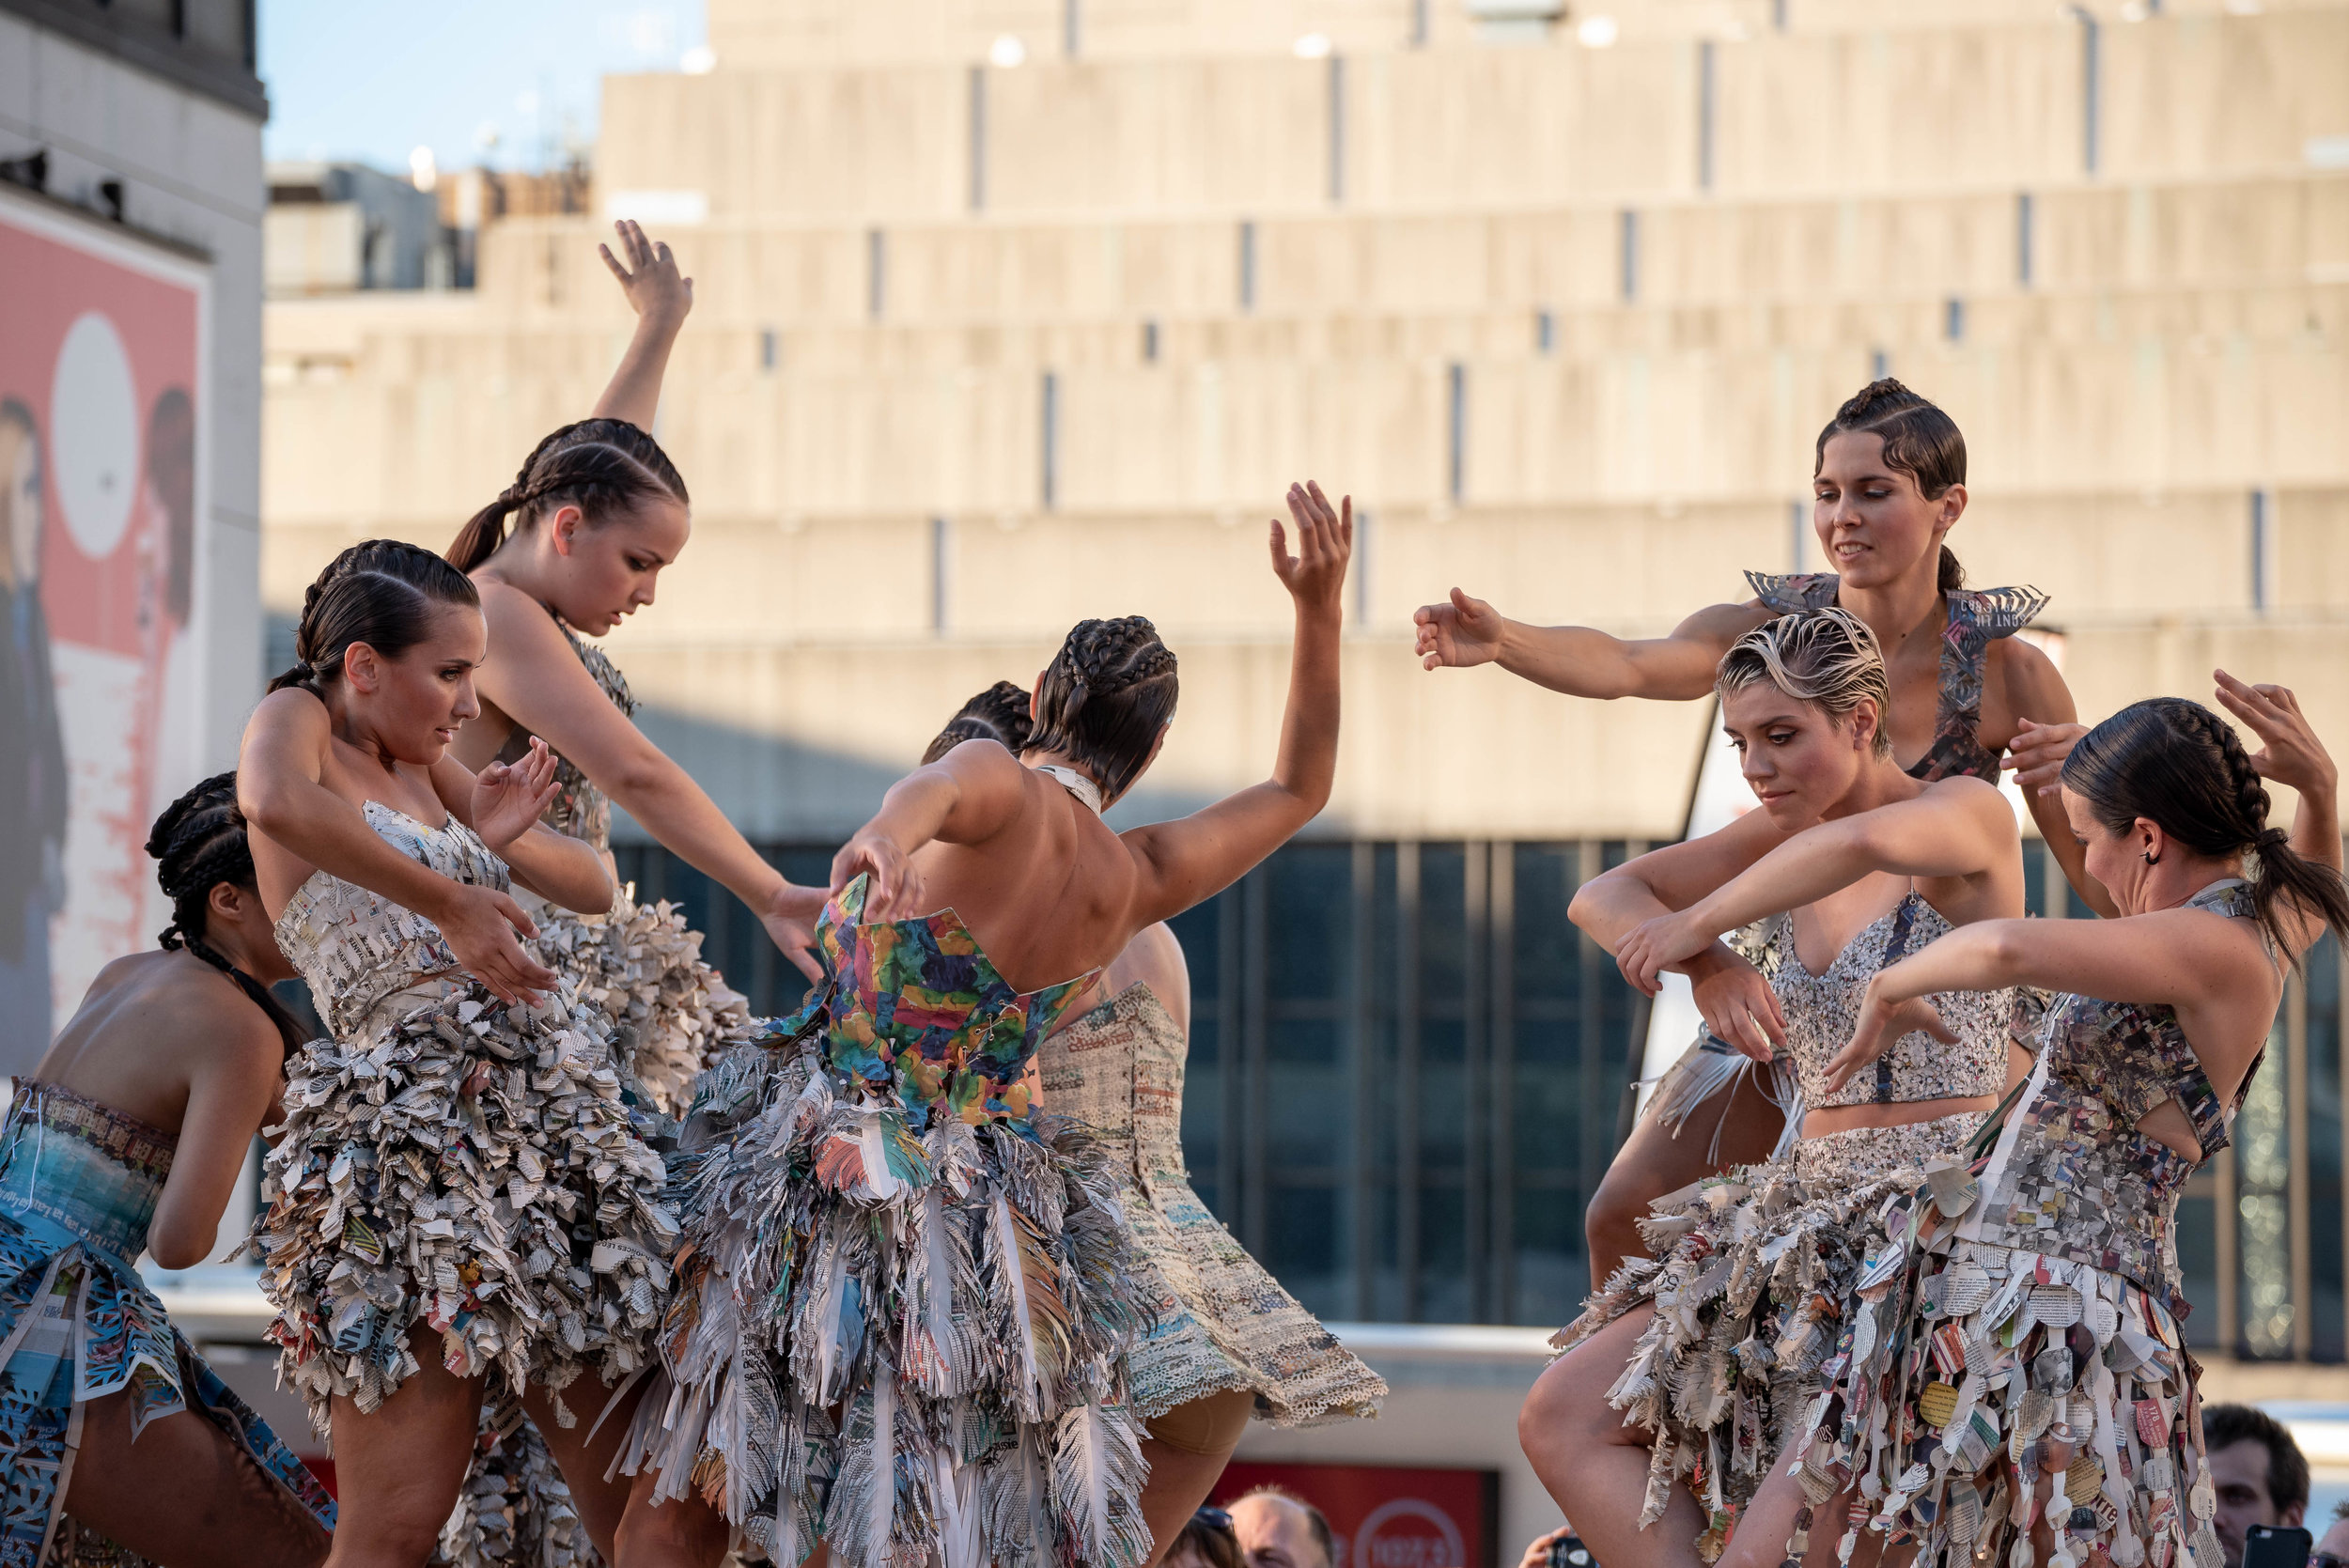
x: 2177, y: 764
x: 1105, y: 697
x: 595, y: 465
x: 198, y: 844
x: 1920, y: 441
x: 999, y: 713
x: 382, y: 592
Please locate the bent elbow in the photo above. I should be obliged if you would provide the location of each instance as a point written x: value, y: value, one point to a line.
x: 174, y: 1247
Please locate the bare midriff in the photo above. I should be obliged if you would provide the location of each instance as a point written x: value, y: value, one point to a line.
x: 1819, y: 1121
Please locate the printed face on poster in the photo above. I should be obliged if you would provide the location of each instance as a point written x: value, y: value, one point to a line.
x: 102, y: 505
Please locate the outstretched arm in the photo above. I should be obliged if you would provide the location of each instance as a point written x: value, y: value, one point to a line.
x: 661, y: 299
x: 966, y: 797
x: 280, y: 788
x: 1578, y: 660
x: 1193, y: 858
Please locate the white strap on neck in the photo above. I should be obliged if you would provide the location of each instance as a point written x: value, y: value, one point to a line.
x: 1075, y: 782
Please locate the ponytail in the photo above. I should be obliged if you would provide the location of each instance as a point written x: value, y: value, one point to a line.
x: 594, y: 464
x: 2177, y: 764
x: 198, y: 844
x: 1953, y: 576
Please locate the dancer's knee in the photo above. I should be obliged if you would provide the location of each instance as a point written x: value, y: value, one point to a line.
x: 1612, y: 1223
x: 1555, y: 1417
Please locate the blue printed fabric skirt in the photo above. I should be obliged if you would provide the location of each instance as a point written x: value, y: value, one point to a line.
x: 78, y: 1186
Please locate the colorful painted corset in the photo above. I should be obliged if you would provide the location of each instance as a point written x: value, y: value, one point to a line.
x: 1822, y: 1009
x: 579, y: 808
x: 917, y: 1005
x: 2072, y: 1176
x: 1978, y: 617
x: 369, y: 961
x: 83, y: 1166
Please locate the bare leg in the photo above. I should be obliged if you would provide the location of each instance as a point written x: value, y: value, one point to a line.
x: 682, y: 1533
x: 184, y: 1494
x: 1593, y: 1465
x: 1653, y: 1162
x: 1760, y: 1539
x: 399, y: 1468
x: 1181, y: 1477
x: 584, y: 1462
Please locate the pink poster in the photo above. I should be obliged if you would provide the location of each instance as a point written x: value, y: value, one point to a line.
x: 101, y: 498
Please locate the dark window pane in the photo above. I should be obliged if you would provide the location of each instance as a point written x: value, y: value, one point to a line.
x: 1443, y: 924
x: 1548, y: 951
x: 2198, y: 1260
x: 2326, y: 1337
x: 1309, y: 1117
x: 1552, y: 1272
x: 1310, y: 908
x: 1305, y: 1245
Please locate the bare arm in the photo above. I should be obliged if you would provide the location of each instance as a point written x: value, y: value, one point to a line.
x: 661, y: 300
x: 538, y: 680
x: 1578, y: 660
x: 966, y: 797
x: 2036, y: 691
x: 2291, y: 754
x: 281, y: 789
x: 1195, y: 857
x: 501, y: 804
x: 231, y: 1096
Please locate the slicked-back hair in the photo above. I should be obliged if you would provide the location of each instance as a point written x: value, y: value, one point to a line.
x: 382, y: 593
x: 1824, y: 659
x: 1920, y: 441
x: 1000, y: 713
x: 1105, y: 697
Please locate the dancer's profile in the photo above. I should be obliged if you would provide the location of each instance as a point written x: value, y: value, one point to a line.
x: 1889, y: 485
x: 129, y: 1137
x: 905, y: 1295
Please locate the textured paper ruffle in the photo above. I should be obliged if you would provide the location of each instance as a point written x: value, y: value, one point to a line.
x: 515, y: 1511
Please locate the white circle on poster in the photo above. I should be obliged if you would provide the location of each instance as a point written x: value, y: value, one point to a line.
x: 94, y: 434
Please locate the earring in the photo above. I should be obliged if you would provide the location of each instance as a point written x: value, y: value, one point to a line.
x: 2151, y: 858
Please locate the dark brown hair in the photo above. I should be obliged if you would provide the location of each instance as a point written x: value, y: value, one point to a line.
x: 1207, y: 1535
x: 1920, y: 441
x: 1104, y: 698
x: 2177, y: 764
x: 2225, y: 1425
x: 597, y: 465
x: 1000, y: 713
x: 198, y: 844
x: 382, y: 592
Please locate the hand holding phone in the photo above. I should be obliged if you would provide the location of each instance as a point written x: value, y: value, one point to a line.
x: 2276, y: 1547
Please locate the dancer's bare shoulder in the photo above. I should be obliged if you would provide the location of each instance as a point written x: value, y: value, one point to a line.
x: 151, y: 1025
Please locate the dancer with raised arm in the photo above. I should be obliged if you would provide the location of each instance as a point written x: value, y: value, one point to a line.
x: 130, y: 1137
x: 906, y: 1292
x: 1682, y: 1374
x: 459, y: 1205
x: 1888, y: 482
x: 2011, y: 1383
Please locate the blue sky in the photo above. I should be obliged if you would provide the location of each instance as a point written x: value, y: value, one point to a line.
x: 371, y: 81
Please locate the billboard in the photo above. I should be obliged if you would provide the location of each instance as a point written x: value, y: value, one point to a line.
x: 102, y: 503
x: 1390, y: 1516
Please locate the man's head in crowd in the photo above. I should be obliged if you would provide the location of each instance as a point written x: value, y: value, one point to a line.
x: 2260, y: 1476
x: 1279, y: 1529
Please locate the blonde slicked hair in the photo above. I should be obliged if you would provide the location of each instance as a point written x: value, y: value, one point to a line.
x: 1827, y: 659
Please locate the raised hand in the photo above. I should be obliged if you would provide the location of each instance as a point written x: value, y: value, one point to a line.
x: 1879, y: 1024
x: 1461, y: 633
x: 481, y: 927
x: 2289, y: 753
x: 2036, y: 754
x: 1316, y: 575
x: 1656, y: 945
x: 649, y: 278
x: 508, y: 796
x: 1740, y: 1007
x: 896, y: 890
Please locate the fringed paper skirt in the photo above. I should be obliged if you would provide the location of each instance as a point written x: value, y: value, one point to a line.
x: 515, y: 1511
x: 901, y: 1342
x: 470, y: 1167
x: 1979, y: 1390
x: 1746, y: 1293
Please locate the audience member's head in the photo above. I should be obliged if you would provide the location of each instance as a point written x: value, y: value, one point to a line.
x: 2261, y: 1475
x: 2332, y: 1547
x: 1206, y: 1542
x: 1281, y: 1530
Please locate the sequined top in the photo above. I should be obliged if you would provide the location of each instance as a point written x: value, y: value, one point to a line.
x: 94, y: 1170
x: 917, y: 1005
x: 364, y: 954
x: 1821, y: 1010
x: 1978, y: 617
x: 2072, y: 1176
x: 579, y: 808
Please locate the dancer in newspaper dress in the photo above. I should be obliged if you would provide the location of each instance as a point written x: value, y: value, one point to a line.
x: 907, y: 1294
x: 460, y: 1206
x: 130, y: 1138
x: 1889, y: 481
x: 1222, y: 1340
x: 2011, y: 1383
x: 1682, y: 1374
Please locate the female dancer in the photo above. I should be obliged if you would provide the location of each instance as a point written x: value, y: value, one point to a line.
x: 598, y: 511
x: 2010, y: 1382
x: 1889, y: 482
x: 905, y: 1295
x: 130, y: 1135
x: 1222, y: 1335
x: 1685, y: 1370
x: 459, y: 1205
